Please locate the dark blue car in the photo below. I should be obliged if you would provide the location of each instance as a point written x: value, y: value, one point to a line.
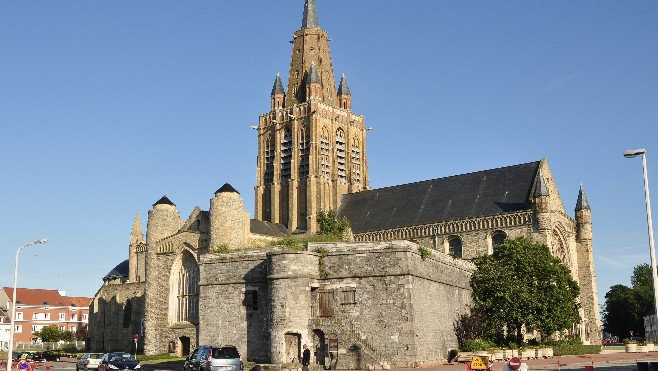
x: 118, y: 361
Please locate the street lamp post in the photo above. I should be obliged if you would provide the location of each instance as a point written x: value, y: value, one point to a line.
x: 13, y: 302
x: 654, y: 273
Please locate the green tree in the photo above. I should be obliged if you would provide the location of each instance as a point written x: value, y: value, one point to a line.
x: 49, y: 334
x: 523, y: 284
x: 331, y: 225
x: 67, y: 336
x: 625, y: 307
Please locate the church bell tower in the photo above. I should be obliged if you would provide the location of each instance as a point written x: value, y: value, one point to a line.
x: 311, y: 146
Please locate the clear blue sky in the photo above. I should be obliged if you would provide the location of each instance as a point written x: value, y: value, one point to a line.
x: 106, y: 106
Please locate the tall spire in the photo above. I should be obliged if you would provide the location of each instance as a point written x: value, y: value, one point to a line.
x: 310, y: 19
x: 136, y: 235
x: 582, y: 203
x: 278, y: 86
x: 313, y: 76
x: 343, y: 89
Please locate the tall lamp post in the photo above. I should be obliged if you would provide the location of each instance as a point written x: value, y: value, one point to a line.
x: 13, y: 302
x: 654, y: 273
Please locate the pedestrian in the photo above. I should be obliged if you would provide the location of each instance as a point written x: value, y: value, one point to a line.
x: 306, y: 358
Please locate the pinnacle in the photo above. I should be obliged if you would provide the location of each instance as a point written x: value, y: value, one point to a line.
x: 278, y: 86
x: 310, y: 18
x: 136, y: 234
x: 343, y: 88
x: 541, y: 189
x: 582, y: 203
x: 313, y: 76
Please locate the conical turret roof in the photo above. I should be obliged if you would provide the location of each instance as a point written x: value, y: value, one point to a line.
x: 164, y: 201
x: 227, y: 188
x: 136, y: 234
x: 582, y: 203
x: 343, y: 89
x: 278, y: 86
x: 310, y: 19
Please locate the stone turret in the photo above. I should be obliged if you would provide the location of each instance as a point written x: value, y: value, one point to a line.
x: 542, y: 205
x: 278, y: 94
x: 163, y: 221
x: 344, y: 95
x: 229, y: 221
x: 136, y: 239
x: 586, y: 275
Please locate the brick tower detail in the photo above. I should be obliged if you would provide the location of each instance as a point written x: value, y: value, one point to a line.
x: 311, y: 146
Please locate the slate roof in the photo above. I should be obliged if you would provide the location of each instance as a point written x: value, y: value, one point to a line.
x: 119, y: 271
x: 226, y: 188
x: 164, y: 201
x: 45, y: 297
x: 582, y: 203
x: 310, y: 18
x: 313, y: 76
x: 343, y: 88
x: 267, y: 229
x: 487, y: 192
x: 278, y: 86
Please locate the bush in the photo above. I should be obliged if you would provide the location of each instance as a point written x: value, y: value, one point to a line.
x: 472, y: 345
x: 569, y: 349
x: 70, y: 348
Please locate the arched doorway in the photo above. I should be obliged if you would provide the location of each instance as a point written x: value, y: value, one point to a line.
x: 184, y: 348
x: 320, y: 349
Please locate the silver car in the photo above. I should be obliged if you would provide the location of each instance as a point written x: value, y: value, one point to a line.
x: 225, y: 358
x: 88, y: 361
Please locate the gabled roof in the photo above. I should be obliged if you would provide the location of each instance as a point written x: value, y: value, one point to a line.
x: 267, y: 228
x: 119, y: 271
x: 46, y: 297
x: 487, y: 192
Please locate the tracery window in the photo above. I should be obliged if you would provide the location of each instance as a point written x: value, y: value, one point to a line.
x: 269, y: 162
x: 455, y: 248
x: 325, y: 164
x: 340, y: 155
x: 286, y: 154
x: 304, y: 150
x: 559, y: 249
x: 184, y: 290
x: 356, y: 162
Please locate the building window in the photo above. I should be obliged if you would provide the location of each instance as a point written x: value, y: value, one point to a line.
x: 304, y: 150
x: 85, y: 317
x: 41, y: 316
x: 74, y: 317
x: 326, y: 303
x: 356, y: 162
x: 251, y: 299
x: 269, y: 162
x: 62, y: 316
x: 19, y: 316
x: 19, y: 328
x: 498, y: 238
x: 455, y: 247
x: 340, y: 155
x: 184, y: 291
x: 127, y: 314
x: 348, y: 296
x: 72, y: 328
x: 61, y: 328
x: 325, y: 163
x: 286, y: 154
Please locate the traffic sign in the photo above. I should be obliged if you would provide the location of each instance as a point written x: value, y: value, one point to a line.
x: 480, y: 363
x: 514, y: 363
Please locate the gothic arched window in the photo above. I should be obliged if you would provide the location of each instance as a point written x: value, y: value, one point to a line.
x: 340, y: 155
x: 325, y: 164
x: 184, y: 290
x: 286, y: 154
x: 497, y: 238
x: 356, y: 161
x: 559, y: 248
x: 127, y: 314
x: 455, y: 248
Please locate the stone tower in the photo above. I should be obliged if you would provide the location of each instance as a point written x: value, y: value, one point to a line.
x: 311, y: 146
x: 587, y: 276
x: 229, y: 222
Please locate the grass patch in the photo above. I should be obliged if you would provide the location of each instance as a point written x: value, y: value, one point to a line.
x: 300, y: 242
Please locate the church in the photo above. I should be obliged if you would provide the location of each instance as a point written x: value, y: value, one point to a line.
x: 219, y: 277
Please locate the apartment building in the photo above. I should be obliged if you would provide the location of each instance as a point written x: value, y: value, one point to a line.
x: 38, y: 308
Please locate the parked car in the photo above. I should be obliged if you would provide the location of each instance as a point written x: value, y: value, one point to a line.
x: 118, y: 361
x: 209, y: 358
x: 89, y: 361
x: 50, y: 355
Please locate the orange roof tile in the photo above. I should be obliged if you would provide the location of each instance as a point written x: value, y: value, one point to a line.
x: 45, y: 297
